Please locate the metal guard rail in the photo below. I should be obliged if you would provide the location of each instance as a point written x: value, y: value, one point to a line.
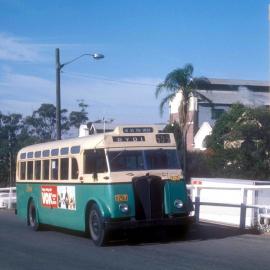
x: 7, y: 197
x: 243, y: 205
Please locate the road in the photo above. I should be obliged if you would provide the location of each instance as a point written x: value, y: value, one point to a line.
x: 206, y: 247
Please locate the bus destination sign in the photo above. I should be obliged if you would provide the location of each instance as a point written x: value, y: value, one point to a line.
x: 128, y: 138
x: 138, y: 130
x: 163, y: 138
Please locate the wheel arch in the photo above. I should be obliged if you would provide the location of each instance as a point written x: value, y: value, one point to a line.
x: 28, y: 204
x: 31, y: 199
x: 102, y: 207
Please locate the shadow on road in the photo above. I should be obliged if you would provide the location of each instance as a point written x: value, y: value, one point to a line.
x: 152, y: 236
x: 201, y: 232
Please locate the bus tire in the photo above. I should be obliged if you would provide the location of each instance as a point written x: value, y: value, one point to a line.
x: 33, y: 216
x: 96, y: 226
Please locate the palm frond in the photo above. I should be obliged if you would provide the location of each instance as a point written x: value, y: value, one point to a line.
x: 201, y: 82
x: 165, y: 101
x: 176, y: 79
x: 188, y: 68
x: 160, y: 87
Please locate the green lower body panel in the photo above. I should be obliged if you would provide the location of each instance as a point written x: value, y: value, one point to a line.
x: 66, y: 205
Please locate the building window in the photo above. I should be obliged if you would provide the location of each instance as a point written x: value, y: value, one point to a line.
x: 64, y: 169
x: 54, y: 169
x: 37, y: 169
x: 216, y: 113
x: 94, y: 161
x: 46, y: 167
x: 74, y: 168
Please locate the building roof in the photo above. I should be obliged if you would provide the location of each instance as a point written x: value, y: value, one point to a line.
x: 248, y: 92
x: 243, y: 95
x: 239, y: 82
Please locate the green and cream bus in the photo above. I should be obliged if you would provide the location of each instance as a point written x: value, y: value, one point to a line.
x: 123, y: 179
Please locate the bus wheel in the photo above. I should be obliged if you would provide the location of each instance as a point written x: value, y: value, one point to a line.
x: 96, y: 227
x: 33, y: 217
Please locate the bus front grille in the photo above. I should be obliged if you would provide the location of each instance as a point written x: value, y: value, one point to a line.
x: 149, y: 197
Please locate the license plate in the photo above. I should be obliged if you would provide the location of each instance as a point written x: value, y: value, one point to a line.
x: 121, y: 197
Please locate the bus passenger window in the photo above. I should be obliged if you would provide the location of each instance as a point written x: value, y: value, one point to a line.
x: 30, y: 170
x: 74, y: 168
x: 54, y: 169
x: 64, y: 169
x: 46, y: 169
x: 22, y: 170
x: 37, y: 169
x: 95, y: 161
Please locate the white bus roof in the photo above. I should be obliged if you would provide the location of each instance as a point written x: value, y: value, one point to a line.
x: 121, y: 137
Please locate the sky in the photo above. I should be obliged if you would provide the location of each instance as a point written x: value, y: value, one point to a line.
x: 142, y: 41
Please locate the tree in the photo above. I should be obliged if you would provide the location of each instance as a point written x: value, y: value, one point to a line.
x: 77, y: 118
x: 181, y: 81
x: 13, y: 136
x: 42, y: 123
x: 240, y: 143
x: 175, y: 129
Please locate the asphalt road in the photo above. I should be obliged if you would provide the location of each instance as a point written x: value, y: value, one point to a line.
x: 206, y: 247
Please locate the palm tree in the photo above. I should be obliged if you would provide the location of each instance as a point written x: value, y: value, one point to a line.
x: 181, y: 81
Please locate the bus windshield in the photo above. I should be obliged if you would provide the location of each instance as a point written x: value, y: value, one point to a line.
x: 137, y: 160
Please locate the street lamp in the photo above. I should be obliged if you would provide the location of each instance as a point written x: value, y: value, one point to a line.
x: 58, y: 67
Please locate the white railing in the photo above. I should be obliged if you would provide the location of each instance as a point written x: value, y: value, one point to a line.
x: 7, y: 197
x: 262, y: 211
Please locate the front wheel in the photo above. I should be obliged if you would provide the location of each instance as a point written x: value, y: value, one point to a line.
x: 33, y: 217
x: 96, y: 226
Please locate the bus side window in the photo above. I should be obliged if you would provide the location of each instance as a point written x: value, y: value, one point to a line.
x: 64, y: 169
x: 95, y: 161
x: 37, y: 169
x: 29, y: 170
x: 22, y: 170
x: 74, y: 169
x: 54, y: 169
x: 45, y: 174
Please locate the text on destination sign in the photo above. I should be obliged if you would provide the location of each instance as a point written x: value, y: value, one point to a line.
x: 128, y: 138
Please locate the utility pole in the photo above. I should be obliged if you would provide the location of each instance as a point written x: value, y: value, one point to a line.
x: 58, y: 98
x: 58, y: 67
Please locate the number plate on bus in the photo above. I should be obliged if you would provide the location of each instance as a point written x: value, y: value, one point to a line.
x: 121, y: 197
x: 175, y: 177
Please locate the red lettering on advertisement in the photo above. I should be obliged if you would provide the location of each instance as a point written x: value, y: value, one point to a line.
x: 49, y: 196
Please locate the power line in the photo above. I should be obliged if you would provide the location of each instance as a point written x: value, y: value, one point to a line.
x: 102, y: 78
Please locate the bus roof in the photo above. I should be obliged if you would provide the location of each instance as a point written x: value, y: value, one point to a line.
x: 121, y: 137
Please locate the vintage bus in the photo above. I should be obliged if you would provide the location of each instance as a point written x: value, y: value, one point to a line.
x: 123, y: 179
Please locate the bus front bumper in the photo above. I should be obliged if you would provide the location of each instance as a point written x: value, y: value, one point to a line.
x: 132, y: 223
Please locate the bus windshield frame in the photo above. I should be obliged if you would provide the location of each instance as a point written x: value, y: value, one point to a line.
x: 143, y: 159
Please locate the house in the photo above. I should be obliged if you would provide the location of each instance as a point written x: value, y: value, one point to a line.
x: 223, y: 93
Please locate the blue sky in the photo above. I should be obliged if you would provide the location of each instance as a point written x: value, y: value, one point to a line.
x: 142, y: 41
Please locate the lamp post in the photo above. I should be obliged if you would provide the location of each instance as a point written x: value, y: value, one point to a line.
x: 58, y: 67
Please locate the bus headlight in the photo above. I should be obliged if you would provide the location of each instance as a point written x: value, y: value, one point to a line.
x: 123, y: 207
x: 178, y: 204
